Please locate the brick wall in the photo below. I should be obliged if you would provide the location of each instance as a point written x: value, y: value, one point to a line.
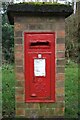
x: 50, y: 24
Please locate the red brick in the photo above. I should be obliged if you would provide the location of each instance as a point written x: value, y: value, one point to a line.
x: 61, y: 62
x: 19, y: 83
x: 59, y: 84
x: 60, y: 40
x: 60, y: 98
x: 18, y: 55
x: 19, y: 62
x: 33, y: 105
x: 60, y: 54
x: 60, y: 47
x: 20, y: 105
x: 20, y: 112
x: 19, y: 91
x: 18, y: 48
x: 31, y: 113
x: 60, y: 69
x: 63, y: 109
x: 19, y: 26
x: 60, y: 91
x: 60, y: 104
x: 18, y: 33
x: 56, y: 110
x: 19, y: 76
x: 59, y: 111
x: 18, y: 40
x: 60, y: 25
x: 61, y: 34
x: 19, y: 69
x: 19, y: 98
x: 60, y: 77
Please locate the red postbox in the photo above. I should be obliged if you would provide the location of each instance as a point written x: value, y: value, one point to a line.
x: 39, y: 63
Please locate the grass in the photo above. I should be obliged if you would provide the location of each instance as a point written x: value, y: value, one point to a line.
x: 71, y: 90
x: 8, y: 92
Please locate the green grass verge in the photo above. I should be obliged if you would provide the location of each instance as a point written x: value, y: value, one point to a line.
x: 8, y: 92
x: 71, y: 90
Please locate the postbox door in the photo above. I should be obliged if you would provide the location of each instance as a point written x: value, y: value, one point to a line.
x: 39, y: 67
x: 39, y: 85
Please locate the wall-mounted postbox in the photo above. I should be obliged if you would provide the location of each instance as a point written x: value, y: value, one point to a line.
x: 39, y: 65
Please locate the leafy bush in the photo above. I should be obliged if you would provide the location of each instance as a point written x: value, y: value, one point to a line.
x: 7, y: 37
x: 72, y: 36
x: 8, y: 42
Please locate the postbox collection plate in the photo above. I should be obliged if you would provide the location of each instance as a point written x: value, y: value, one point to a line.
x: 39, y: 67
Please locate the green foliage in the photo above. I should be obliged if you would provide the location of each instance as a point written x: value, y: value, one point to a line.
x: 8, y: 93
x: 71, y: 64
x: 79, y: 41
x: 7, y: 37
x: 79, y: 89
x: 8, y: 42
x: 72, y: 36
x: 4, y: 15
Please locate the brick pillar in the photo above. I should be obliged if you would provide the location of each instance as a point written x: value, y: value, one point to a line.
x: 41, y: 20
x: 40, y: 24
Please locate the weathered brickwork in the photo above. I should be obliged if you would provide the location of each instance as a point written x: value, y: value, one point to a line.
x: 20, y: 112
x: 19, y: 98
x: 37, y: 24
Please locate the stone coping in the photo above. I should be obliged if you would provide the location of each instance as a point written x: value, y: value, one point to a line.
x: 24, y: 9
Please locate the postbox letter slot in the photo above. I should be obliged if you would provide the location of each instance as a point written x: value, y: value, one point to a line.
x: 39, y: 43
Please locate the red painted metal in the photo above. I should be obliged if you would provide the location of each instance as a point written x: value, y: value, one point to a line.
x: 39, y: 52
